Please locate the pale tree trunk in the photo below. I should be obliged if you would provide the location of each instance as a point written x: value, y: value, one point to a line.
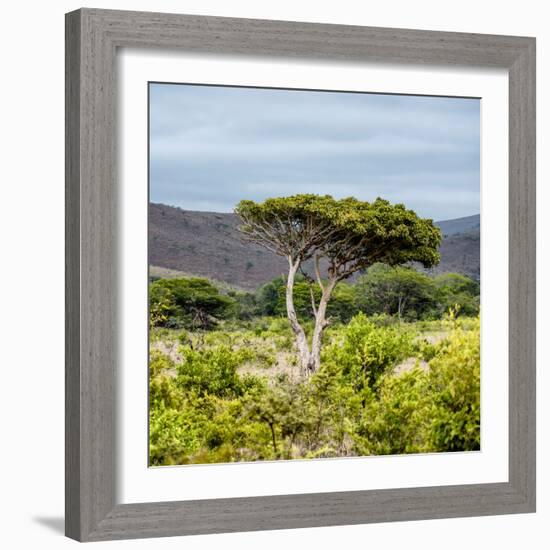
x: 400, y: 306
x: 320, y: 324
x: 299, y: 334
x: 310, y: 360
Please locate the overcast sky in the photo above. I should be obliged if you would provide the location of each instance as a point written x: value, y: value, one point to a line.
x: 213, y: 146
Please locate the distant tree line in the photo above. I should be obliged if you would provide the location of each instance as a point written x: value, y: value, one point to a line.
x: 402, y: 293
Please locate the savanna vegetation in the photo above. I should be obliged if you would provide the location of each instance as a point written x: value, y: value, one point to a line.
x: 369, y: 356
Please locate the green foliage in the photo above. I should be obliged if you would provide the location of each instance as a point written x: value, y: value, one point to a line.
x: 334, y: 406
x: 190, y: 302
x: 175, y: 434
x: 245, y: 306
x: 434, y: 410
x: 281, y: 409
x: 453, y: 410
x: 206, y: 406
x: 267, y: 297
x: 351, y: 234
x: 302, y: 298
x: 161, y: 305
x: 382, y: 292
x: 410, y: 295
x: 454, y: 289
x: 366, y: 351
x: 400, y: 291
x: 271, y: 299
x: 231, y: 435
x: 342, y: 305
x: 399, y: 371
x: 391, y: 422
x: 212, y: 371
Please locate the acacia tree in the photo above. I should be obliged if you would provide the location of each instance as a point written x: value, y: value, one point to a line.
x: 396, y: 290
x: 194, y: 301
x: 348, y: 235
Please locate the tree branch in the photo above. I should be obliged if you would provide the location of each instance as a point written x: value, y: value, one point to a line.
x: 313, y: 306
x: 318, y: 272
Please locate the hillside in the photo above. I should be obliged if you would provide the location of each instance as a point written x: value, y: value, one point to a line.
x: 208, y: 244
x: 459, y: 225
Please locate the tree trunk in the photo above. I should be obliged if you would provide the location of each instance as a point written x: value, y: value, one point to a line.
x: 320, y: 324
x: 310, y: 360
x: 401, y: 306
x: 299, y: 334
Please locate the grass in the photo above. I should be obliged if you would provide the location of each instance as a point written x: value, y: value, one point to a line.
x: 236, y: 392
x: 270, y: 345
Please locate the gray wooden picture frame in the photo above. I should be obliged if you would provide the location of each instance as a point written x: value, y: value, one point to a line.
x: 92, y: 39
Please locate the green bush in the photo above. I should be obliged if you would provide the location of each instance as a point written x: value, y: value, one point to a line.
x: 366, y: 351
x: 437, y: 410
x: 267, y: 297
x: 392, y: 421
x: 231, y: 435
x: 410, y: 295
x: 342, y: 305
x: 400, y: 291
x: 453, y: 409
x: 203, y: 409
x: 457, y: 291
x: 212, y: 371
x: 334, y: 406
x: 281, y: 410
x: 245, y: 306
x: 187, y: 302
x: 174, y: 434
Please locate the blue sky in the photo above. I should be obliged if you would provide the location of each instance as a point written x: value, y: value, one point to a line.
x: 212, y: 146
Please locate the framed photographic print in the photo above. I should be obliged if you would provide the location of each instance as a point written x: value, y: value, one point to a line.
x: 300, y: 275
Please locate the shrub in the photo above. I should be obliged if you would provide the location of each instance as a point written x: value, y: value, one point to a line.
x: 342, y: 304
x: 424, y: 350
x: 437, y: 410
x: 203, y: 410
x: 212, y: 371
x: 457, y: 291
x: 400, y: 291
x: 454, y: 386
x: 231, y: 435
x: 392, y: 421
x: 174, y: 434
x: 366, y: 351
x: 245, y: 306
x: 333, y: 407
x: 267, y: 297
x: 190, y: 302
x: 281, y: 410
x: 410, y: 295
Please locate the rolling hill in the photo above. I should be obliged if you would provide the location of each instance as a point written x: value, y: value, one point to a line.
x: 208, y: 244
x: 459, y: 225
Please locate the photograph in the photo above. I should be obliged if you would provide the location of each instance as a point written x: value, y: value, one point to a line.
x: 287, y: 255
x: 314, y: 274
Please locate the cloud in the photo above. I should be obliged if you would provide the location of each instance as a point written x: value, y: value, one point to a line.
x: 213, y: 146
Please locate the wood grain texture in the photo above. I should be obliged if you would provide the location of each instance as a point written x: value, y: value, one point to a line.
x: 310, y: 510
x: 72, y: 276
x: 91, y: 287
x: 254, y: 37
x: 522, y: 275
x: 92, y: 37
